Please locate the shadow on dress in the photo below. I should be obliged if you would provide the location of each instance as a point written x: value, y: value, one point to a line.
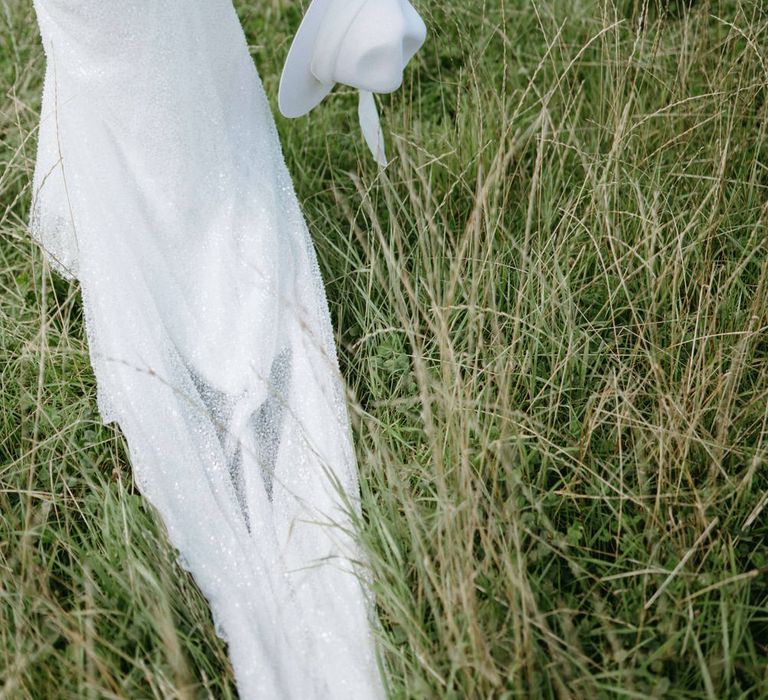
x: 264, y: 425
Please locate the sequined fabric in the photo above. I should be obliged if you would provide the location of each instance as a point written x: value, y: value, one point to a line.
x: 160, y: 186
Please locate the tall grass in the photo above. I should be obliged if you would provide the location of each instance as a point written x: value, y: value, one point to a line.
x: 552, y: 313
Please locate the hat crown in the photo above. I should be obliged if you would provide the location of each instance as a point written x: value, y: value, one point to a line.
x: 367, y: 43
x: 362, y: 43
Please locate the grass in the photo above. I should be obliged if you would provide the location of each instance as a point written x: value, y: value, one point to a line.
x: 552, y: 313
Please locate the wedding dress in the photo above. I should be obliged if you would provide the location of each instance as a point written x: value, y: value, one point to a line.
x: 160, y: 186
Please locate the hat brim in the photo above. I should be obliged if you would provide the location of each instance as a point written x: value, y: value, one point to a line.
x: 299, y: 89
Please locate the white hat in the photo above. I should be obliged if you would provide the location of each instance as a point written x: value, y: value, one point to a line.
x: 362, y: 43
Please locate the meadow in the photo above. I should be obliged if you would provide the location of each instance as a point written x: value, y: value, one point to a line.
x: 551, y: 311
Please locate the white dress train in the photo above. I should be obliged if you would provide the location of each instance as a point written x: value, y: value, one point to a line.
x: 161, y: 187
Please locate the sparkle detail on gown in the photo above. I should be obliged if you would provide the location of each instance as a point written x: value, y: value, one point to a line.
x: 161, y: 187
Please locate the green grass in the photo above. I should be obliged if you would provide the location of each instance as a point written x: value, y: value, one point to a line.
x: 552, y: 314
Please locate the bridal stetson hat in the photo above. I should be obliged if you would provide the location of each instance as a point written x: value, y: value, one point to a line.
x: 365, y: 44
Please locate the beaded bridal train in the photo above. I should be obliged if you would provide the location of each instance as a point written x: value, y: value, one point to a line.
x: 160, y: 186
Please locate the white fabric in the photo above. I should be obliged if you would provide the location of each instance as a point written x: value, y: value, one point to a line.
x: 333, y: 28
x: 373, y: 51
x: 160, y: 186
x: 368, y: 116
x: 362, y: 43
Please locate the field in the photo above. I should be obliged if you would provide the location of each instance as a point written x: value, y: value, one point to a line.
x: 551, y: 311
